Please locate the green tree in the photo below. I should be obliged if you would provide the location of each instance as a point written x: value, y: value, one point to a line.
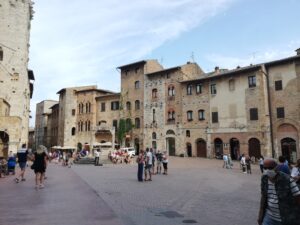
x: 121, y: 131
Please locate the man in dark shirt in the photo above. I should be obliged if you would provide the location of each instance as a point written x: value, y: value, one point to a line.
x: 282, y: 166
x: 22, y: 160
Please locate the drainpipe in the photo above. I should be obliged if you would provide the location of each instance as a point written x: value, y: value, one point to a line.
x: 270, y: 111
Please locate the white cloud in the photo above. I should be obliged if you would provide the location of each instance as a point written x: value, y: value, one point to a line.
x: 231, y: 62
x: 81, y: 42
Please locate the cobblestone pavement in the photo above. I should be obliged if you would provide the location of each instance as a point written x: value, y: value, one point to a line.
x: 196, y: 191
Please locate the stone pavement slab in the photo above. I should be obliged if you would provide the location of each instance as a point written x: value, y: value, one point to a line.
x: 65, y: 200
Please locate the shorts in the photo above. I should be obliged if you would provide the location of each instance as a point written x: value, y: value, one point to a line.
x: 165, y: 166
x: 22, y: 165
x: 148, y: 167
x: 159, y: 163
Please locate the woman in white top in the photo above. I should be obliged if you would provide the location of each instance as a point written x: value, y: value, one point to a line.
x: 295, y: 174
x: 165, y: 163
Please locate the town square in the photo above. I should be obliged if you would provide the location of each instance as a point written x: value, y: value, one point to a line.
x: 149, y: 112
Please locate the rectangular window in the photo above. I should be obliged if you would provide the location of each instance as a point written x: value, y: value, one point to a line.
x: 73, y: 112
x: 214, y: 117
x: 189, y: 115
x: 201, y: 114
x: 115, y: 124
x: 280, y: 112
x: 278, y: 85
x: 189, y: 90
x: 252, y: 81
x: 115, y: 105
x: 253, y: 114
x: 199, y: 88
x: 213, y: 89
x: 102, y: 106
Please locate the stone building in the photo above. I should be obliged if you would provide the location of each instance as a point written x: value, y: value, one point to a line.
x: 132, y: 98
x: 15, y: 79
x: 42, y: 128
x: 252, y: 110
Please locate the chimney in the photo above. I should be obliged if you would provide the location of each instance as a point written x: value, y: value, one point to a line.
x: 297, y: 51
x: 238, y: 67
x: 217, y: 69
x: 188, y: 62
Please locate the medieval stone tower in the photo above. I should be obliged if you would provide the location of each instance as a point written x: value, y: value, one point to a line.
x: 15, y: 78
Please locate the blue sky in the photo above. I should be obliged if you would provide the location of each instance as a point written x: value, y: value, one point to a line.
x: 80, y: 42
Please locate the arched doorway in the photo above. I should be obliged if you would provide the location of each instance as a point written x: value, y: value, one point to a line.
x: 218, y: 143
x: 137, y: 145
x: 189, y: 149
x: 234, y: 148
x: 171, y: 146
x: 4, y: 139
x: 289, y: 150
x: 201, y: 148
x: 254, y: 148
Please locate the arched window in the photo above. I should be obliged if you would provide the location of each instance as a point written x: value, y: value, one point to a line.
x: 170, y: 132
x: 137, y: 123
x: 171, y: 90
x: 189, y: 89
x: 154, y: 135
x: 153, y: 116
x: 79, y: 126
x: 73, y: 131
x: 137, y: 84
x: 128, y: 105
x: 137, y: 105
x: 86, y: 125
x: 187, y: 133
x: 1, y: 54
x: 154, y: 93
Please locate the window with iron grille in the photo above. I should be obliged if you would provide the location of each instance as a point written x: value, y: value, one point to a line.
x: 253, y: 114
x: 278, y: 85
x: 214, y: 117
x: 280, y: 112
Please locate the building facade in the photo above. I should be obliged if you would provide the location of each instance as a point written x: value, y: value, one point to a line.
x: 15, y: 79
x: 182, y: 110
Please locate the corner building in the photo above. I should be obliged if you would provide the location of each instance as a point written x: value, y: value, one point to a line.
x: 16, y: 85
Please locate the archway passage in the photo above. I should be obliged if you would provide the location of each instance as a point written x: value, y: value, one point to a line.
x: 4, y: 139
x: 289, y: 150
x: 137, y: 145
x: 254, y: 148
x: 218, y: 143
x: 234, y: 148
x: 171, y: 146
x: 201, y: 148
x: 189, y: 149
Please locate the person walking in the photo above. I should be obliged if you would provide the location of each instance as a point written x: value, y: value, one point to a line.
x: 165, y: 163
x: 22, y: 155
x: 140, y: 161
x: 280, y: 197
x: 148, y: 163
x: 159, y: 162
x: 248, y: 164
x: 229, y: 160
x: 39, y: 166
x: 295, y: 174
x: 261, y: 163
x: 243, y: 163
x: 97, y: 157
x: 282, y: 166
x: 225, y: 163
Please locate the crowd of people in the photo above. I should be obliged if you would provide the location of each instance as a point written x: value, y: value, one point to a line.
x: 146, y: 164
x: 119, y: 156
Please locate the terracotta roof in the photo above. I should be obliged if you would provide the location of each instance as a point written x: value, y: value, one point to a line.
x: 109, y: 95
x: 95, y: 89
x: 163, y: 71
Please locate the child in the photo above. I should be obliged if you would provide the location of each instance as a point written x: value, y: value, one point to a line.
x: 11, y: 164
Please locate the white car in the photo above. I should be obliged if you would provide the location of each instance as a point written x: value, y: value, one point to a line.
x: 130, y: 150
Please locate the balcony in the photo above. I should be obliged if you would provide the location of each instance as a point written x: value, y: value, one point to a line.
x: 170, y: 121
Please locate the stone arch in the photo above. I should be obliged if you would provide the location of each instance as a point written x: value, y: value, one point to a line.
x: 4, y: 139
x: 254, y: 147
x: 189, y: 149
x: 170, y: 132
x: 218, y: 145
x: 234, y: 148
